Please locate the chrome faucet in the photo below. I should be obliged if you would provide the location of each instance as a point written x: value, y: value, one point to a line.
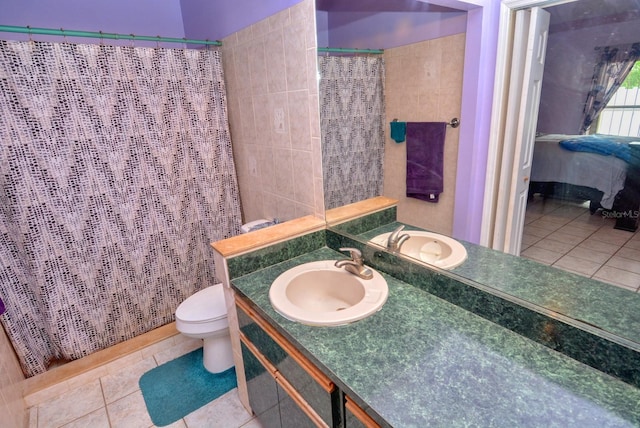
x: 396, y: 240
x: 355, y: 265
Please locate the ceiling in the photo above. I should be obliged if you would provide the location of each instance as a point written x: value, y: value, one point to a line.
x: 376, y: 6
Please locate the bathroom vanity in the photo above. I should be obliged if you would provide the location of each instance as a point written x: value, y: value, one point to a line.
x: 440, y: 352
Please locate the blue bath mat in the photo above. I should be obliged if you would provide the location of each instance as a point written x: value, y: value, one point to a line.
x: 175, y: 389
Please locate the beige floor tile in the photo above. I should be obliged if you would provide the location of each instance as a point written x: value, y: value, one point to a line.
x: 555, y: 246
x: 176, y: 424
x: 629, y: 253
x: 181, y: 348
x: 531, y: 216
x: 579, y: 232
x: 33, y: 417
x: 225, y: 412
x: 126, y: 361
x: 97, y: 419
x: 618, y: 277
x: 577, y: 265
x: 586, y: 224
x: 634, y: 242
x: 529, y: 240
x: 624, y: 264
x: 541, y: 255
x: 124, y: 382
x: 612, y: 236
x: 566, y: 238
x: 70, y: 405
x: 536, y: 231
x: 48, y: 394
x: 588, y: 254
x: 129, y: 411
x: 253, y: 423
x: 594, y: 244
x: 546, y: 224
x: 595, y: 220
x: 159, y: 347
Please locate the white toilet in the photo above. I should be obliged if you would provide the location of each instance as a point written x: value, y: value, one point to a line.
x: 204, y: 316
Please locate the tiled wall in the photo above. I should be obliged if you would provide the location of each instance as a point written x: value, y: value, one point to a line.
x: 423, y: 83
x: 271, y: 74
x: 12, y: 406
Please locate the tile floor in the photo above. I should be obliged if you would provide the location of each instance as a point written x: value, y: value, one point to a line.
x: 114, y: 400
x: 565, y: 235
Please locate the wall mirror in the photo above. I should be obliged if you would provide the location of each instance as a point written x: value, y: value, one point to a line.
x: 424, y: 48
x: 594, y: 248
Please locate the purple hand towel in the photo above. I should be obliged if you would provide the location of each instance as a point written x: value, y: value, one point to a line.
x: 2, y: 308
x: 425, y: 154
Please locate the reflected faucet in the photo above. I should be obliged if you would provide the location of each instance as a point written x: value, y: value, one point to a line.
x: 396, y: 240
x: 355, y: 265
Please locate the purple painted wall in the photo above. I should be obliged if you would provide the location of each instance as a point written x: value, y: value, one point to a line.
x: 216, y: 19
x: 569, y: 66
x: 475, y: 118
x: 198, y: 19
x: 143, y: 17
x: 384, y: 30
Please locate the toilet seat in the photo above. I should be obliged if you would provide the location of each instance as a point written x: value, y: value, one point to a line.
x: 204, y: 306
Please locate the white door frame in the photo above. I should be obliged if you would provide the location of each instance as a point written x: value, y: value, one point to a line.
x: 490, y: 221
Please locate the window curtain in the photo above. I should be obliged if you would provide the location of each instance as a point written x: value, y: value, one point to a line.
x: 613, y: 66
x: 116, y: 172
x: 351, y: 123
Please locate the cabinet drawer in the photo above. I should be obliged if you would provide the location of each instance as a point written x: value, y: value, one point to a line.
x: 291, y: 366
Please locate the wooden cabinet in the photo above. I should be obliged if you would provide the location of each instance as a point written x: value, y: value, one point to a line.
x: 285, y: 388
x: 303, y: 394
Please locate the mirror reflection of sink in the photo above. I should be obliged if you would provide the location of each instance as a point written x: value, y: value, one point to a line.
x: 318, y: 293
x: 428, y: 247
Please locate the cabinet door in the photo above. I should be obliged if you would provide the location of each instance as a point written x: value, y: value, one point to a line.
x: 291, y: 415
x: 262, y: 389
x: 312, y: 385
x: 356, y: 417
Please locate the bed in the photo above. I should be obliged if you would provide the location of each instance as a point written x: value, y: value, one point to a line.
x: 584, y: 175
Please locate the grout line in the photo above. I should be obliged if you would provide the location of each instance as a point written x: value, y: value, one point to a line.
x: 580, y: 211
x: 104, y: 401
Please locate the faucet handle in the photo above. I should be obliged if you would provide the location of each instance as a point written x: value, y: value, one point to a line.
x: 398, y: 229
x: 356, y: 255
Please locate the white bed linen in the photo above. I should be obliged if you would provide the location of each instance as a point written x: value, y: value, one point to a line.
x: 553, y: 163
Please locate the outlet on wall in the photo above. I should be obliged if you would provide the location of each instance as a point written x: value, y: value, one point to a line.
x: 278, y: 120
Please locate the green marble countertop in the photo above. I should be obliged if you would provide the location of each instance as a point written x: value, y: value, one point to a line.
x: 589, y: 302
x: 421, y: 361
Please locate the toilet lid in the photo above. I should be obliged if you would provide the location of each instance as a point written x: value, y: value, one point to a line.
x: 205, y: 305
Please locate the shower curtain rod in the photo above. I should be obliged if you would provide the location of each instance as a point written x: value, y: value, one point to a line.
x: 101, y: 35
x: 349, y: 50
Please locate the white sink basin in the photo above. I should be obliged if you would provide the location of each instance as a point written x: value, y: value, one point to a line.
x: 318, y: 293
x: 429, y: 248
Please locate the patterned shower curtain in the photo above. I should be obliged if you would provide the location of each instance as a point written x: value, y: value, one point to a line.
x: 116, y: 172
x: 351, y: 123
